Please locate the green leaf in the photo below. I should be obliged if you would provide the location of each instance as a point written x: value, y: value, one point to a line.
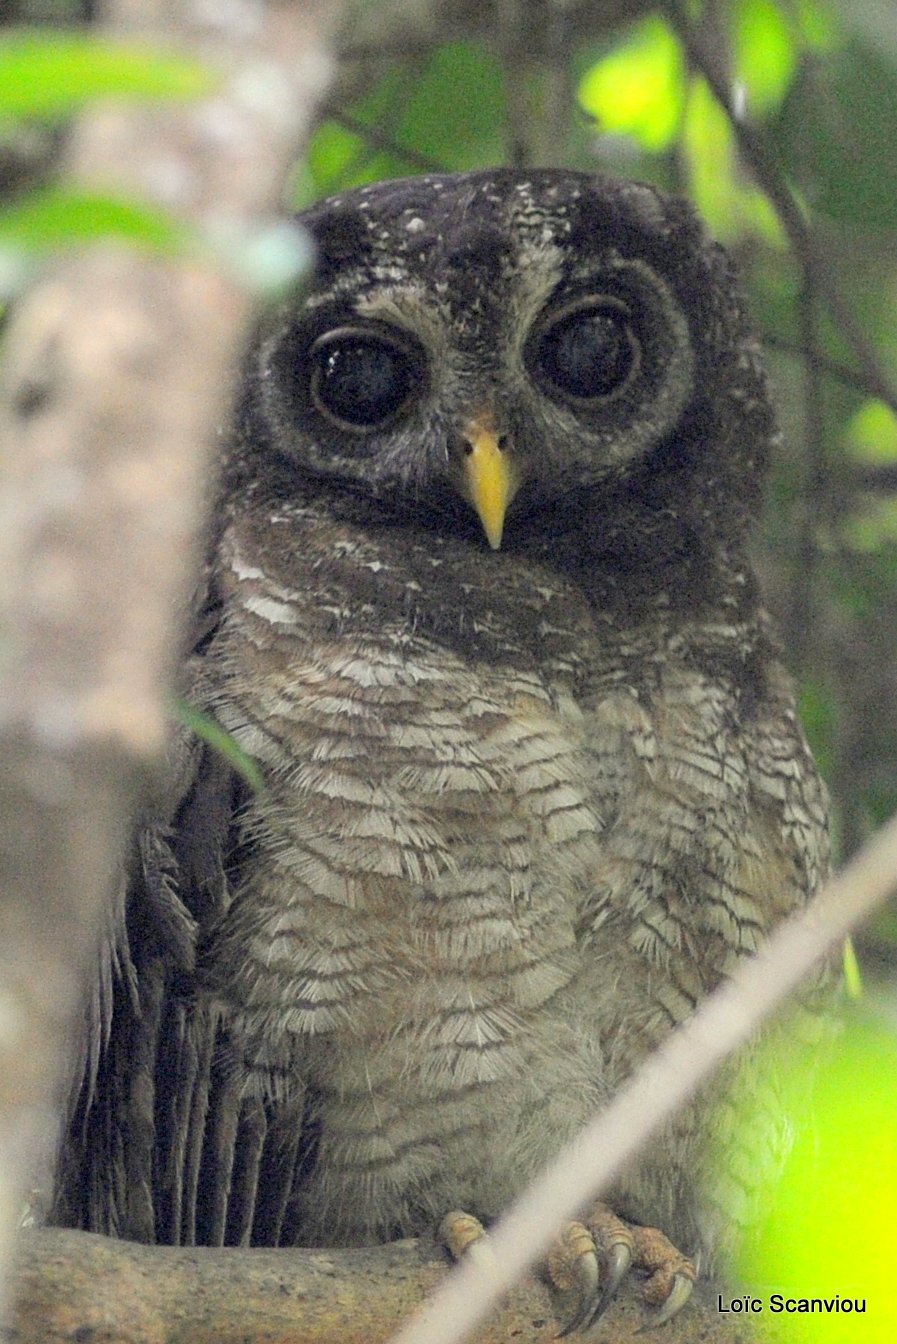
x: 828, y: 1224
x: 765, y: 58
x: 872, y: 433
x: 55, y: 218
x: 817, y: 714
x: 338, y: 157
x: 454, y: 114
x: 207, y: 730
x: 331, y: 153
x: 835, y: 131
x: 639, y: 89
x: 730, y: 204
x: 51, y: 75
x: 853, y: 980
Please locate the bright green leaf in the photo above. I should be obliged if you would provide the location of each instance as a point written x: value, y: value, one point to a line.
x: 729, y: 203
x: 50, y: 74
x: 764, y: 53
x: 210, y: 732
x: 332, y: 152
x: 872, y: 433
x: 639, y: 89
x: 337, y: 160
x: 52, y: 219
x: 338, y: 157
x: 829, y: 1227
x: 853, y: 980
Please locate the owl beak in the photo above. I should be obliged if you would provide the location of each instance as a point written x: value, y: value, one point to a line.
x: 489, y: 478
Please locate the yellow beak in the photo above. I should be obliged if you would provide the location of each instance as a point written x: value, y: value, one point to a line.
x: 489, y: 480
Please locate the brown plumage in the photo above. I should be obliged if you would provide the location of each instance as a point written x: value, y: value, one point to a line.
x: 526, y: 800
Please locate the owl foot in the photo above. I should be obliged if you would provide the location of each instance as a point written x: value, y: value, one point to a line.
x: 464, y: 1236
x: 592, y: 1258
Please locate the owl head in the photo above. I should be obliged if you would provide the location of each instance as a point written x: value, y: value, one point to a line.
x: 512, y: 356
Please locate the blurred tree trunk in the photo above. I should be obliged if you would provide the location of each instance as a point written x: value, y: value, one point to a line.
x: 118, y: 369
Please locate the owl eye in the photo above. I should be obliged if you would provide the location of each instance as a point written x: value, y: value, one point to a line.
x: 587, y: 353
x: 360, y: 379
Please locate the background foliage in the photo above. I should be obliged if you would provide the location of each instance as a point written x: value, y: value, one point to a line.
x: 797, y: 175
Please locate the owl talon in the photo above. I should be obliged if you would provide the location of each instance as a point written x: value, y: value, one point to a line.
x: 464, y: 1237
x: 573, y: 1264
x: 577, y: 1321
x: 669, y: 1276
x: 615, y: 1265
x: 676, y: 1300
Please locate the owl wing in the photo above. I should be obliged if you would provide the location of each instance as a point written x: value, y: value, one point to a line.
x: 720, y: 833
x: 159, y: 1143
x: 720, y: 826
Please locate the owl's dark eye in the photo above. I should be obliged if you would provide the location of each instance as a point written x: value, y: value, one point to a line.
x: 587, y: 353
x: 360, y: 379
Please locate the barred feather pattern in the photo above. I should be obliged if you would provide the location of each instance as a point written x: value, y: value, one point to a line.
x: 494, y: 866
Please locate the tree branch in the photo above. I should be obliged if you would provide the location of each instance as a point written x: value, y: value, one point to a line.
x: 74, y: 1285
x: 854, y: 378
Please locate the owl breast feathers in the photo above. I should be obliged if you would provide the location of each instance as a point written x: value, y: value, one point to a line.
x: 478, y: 607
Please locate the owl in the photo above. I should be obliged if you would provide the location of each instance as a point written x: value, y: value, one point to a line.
x: 478, y: 609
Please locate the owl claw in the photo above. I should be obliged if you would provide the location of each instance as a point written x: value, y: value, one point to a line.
x: 589, y: 1261
x: 587, y: 1282
x: 676, y: 1300
x: 668, y: 1274
x: 615, y: 1265
x: 573, y: 1266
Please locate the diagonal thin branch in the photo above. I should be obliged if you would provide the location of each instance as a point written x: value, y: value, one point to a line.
x: 832, y: 368
x: 723, y: 1023
x: 380, y: 140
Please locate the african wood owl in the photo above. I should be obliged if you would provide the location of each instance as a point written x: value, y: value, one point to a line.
x: 478, y: 607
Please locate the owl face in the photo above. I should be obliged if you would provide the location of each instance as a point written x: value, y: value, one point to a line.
x: 476, y: 349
